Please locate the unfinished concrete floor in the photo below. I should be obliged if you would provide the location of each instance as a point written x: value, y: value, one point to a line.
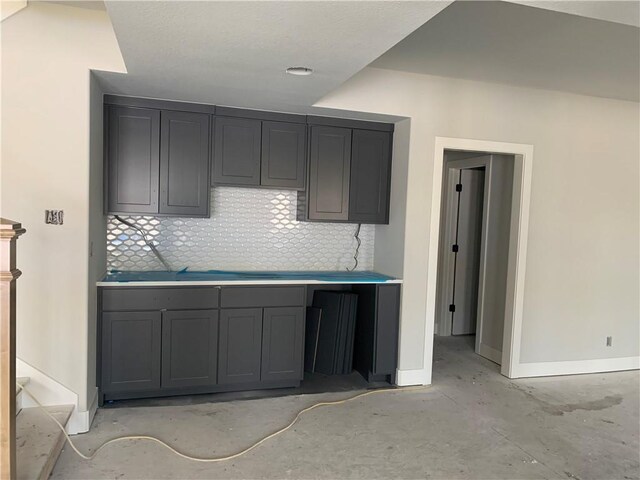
x: 472, y: 423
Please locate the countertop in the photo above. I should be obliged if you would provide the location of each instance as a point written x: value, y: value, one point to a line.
x: 219, y: 277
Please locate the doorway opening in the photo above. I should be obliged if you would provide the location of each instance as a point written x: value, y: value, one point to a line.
x: 475, y: 222
x: 477, y: 255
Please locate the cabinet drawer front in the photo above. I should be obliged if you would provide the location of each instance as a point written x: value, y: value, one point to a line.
x: 248, y: 297
x: 137, y: 298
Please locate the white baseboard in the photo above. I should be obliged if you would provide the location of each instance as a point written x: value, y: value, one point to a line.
x: 80, y: 421
x: 50, y: 392
x: 406, y: 378
x: 545, y: 369
x: 490, y: 353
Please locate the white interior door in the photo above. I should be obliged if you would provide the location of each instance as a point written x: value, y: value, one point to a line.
x: 467, y: 258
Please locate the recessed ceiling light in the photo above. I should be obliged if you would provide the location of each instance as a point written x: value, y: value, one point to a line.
x: 299, y: 71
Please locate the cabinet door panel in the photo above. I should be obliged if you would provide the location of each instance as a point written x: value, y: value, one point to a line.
x: 184, y: 164
x: 387, y: 325
x: 189, y: 348
x: 282, y: 343
x: 329, y: 171
x: 236, y: 157
x: 370, y: 174
x: 240, y: 345
x: 283, y: 155
x: 133, y: 140
x: 130, y: 351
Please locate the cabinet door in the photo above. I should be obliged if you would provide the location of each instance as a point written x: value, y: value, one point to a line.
x: 370, y: 174
x: 329, y: 165
x: 283, y: 155
x: 130, y: 351
x: 133, y: 160
x: 184, y: 164
x: 189, y: 348
x: 386, y: 329
x: 282, y: 340
x: 240, y: 345
x: 236, y: 151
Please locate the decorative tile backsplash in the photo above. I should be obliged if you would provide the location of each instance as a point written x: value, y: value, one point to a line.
x: 249, y: 229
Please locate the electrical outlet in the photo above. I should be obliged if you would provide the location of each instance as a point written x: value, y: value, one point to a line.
x: 609, y: 341
x: 54, y: 217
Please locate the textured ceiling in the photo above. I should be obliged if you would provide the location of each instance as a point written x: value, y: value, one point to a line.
x: 626, y: 12
x: 521, y: 45
x: 235, y: 53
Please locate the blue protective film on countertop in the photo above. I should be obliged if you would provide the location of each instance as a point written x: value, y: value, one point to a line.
x: 227, y: 276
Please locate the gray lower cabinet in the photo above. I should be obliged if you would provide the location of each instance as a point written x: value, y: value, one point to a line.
x: 184, y: 164
x: 375, y: 353
x: 282, y: 343
x: 156, y: 341
x: 240, y: 345
x: 189, y: 348
x: 133, y: 159
x: 283, y: 155
x: 130, y: 351
x: 236, y: 151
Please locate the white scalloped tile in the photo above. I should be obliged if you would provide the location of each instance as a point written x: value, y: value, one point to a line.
x: 249, y: 229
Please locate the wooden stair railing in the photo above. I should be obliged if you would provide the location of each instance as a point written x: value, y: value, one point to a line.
x: 9, y: 232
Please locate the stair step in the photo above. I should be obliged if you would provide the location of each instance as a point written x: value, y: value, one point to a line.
x: 39, y: 441
x: 19, y: 394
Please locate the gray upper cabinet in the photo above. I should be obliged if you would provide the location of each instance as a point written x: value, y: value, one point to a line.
x: 157, y: 162
x: 282, y: 343
x: 349, y: 175
x: 370, y: 177
x: 184, y: 164
x: 283, y: 155
x: 163, y: 156
x: 133, y: 159
x: 329, y: 173
x: 130, y: 351
x: 189, y: 348
x: 240, y: 345
x: 236, y: 151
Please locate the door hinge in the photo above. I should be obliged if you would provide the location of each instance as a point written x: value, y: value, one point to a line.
x: 452, y: 308
x: 458, y: 187
x: 454, y: 248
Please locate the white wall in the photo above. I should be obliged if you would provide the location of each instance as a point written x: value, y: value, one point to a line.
x: 582, y: 264
x: 389, y: 250
x: 97, y: 230
x: 47, y: 51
